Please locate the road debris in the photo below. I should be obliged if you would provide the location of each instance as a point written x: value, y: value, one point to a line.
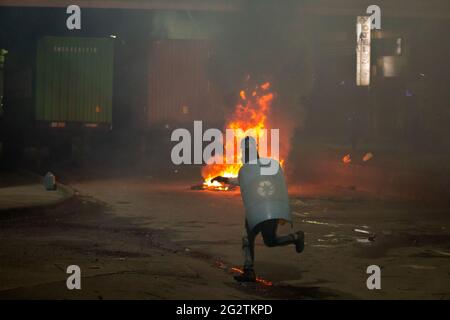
x: 320, y: 223
x: 367, y: 156
x: 298, y: 214
x: 49, y: 182
x: 361, y: 231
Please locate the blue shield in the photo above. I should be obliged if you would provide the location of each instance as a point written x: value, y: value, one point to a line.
x: 265, y: 197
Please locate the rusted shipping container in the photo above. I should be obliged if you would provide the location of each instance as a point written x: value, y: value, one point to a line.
x: 179, y: 89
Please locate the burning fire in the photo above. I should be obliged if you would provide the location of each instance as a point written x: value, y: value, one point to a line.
x: 223, y: 266
x: 260, y: 280
x: 347, y: 159
x: 250, y: 114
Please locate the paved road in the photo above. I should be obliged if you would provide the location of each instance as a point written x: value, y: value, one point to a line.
x: 411, y: 244
x: 155, y: 238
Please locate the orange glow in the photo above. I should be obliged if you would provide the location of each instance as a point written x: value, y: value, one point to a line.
x: 367, y: 156
x: 265, y: 86
x: 347, y: 159
x: 250, y: 114
x: 208, y: 184
x: 260, y: 280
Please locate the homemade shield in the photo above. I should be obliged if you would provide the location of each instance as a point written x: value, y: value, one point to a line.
x: 265, y: 197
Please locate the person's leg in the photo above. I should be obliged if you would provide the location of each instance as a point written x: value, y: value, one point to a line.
x: 271, y: 239
x: 248, y: 247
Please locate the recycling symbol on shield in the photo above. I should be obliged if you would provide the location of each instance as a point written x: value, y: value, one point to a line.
x: 266, y: 188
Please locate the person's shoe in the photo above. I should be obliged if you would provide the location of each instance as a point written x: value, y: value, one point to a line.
x: 247, y: 276
x: 300, y: 241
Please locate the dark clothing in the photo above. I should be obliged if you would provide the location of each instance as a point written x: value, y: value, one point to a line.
x: 268, y: 231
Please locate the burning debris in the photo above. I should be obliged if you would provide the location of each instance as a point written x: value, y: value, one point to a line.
x: 250, y: 117
x: 347, y: 159
x: 259, y: 280
x: 221, y: 265
x: 214, y: 186
x: 367, y: 156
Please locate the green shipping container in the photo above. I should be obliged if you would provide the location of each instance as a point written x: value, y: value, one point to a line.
x: 74, y: 80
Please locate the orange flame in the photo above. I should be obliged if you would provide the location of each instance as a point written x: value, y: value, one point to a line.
x: 250, y: 114
x: 260, y: 280
x: 347, y: 159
